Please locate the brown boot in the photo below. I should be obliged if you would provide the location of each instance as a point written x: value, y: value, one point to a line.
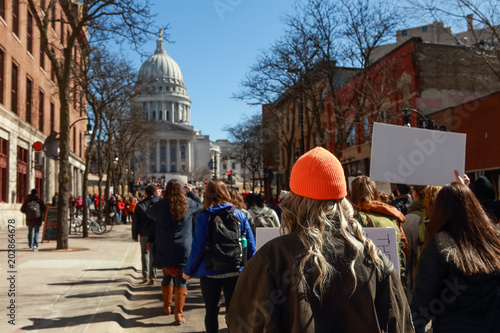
x: 180, y: 299
x: 167, y: 293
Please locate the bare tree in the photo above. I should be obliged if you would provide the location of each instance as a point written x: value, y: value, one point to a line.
x: 326, y: 43
x: 124, y: 20
x: 246, y: 136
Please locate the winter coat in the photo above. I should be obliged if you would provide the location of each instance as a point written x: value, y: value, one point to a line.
x: 415, y: 216
x: 79, y: 203
x: 141, y: 224
x: 172, y: 239
x: 195, y: 265
x: 36, y: 221
x: 456, y: 302
x: 269, y: 298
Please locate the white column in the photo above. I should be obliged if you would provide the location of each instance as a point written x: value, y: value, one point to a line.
x: 173, y: 112
x: 178, y: 155
x: 188, y: 156
x: 158, y: 156
x: 168, y: 156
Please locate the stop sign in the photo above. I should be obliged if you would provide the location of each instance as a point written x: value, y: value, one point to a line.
x: 38, y: 146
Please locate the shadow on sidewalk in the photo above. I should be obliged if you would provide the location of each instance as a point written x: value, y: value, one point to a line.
x: 40, y: 323
x: 112, y: 269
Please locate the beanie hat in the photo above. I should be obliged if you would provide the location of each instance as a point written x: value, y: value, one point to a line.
x: 319, y: 175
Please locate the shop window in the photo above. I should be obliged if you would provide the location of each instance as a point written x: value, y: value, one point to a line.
x: 22, y: 174
x: 4, y: 162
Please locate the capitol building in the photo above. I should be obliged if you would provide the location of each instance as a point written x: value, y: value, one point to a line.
x: 178, y: 148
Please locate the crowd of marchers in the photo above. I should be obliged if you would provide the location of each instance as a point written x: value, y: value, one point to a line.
x: 322, y: 272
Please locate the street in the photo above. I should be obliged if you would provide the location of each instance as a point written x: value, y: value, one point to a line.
x: 95, y: 286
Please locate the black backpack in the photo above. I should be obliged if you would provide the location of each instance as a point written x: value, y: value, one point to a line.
x: 33, y: 210
x: 223, y: 250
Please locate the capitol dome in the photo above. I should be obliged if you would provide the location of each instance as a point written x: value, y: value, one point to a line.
x: 160, y: 67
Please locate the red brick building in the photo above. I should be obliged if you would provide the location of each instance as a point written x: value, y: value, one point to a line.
x: 29, y: 109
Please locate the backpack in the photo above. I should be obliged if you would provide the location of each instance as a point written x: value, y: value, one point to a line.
x: 264, y: 219
x: 33, y: 210
x: 223, y: 251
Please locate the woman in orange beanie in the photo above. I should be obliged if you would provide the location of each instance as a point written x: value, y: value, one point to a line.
x: 323, y: 273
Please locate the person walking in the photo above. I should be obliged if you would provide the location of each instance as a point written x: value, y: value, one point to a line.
x: 170, y: 241
x: 459, y: 269
x: 141, y: 227
x: 262, y: 215
x: 238, y: 203
x: 34, y: 208
x: 216, y: 202
x: 322, y: 274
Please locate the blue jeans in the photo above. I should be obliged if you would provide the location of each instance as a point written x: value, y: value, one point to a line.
x: 33, y: 242
x: 118, y: 216
x: 146, y: 259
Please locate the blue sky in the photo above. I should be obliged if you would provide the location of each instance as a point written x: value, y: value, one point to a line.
x: 215, y: 42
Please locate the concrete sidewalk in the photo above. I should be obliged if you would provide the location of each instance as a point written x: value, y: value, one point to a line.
x: 95, y: 286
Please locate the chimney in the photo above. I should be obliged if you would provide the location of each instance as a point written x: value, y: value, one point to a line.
x: 470, y: 22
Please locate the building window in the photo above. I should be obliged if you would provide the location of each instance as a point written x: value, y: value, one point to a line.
x: 15, y: 17
x: 22, y: 174
x: 4, y: 161
x: 29, y: 33
x: 42, y: 55
x: 54, y: 16
x: 153, y: 115
x: 39, y: 182
x: 29, y: 100
x: 183, y: 153
x: 160, y: 115
x: 173, y: 154
x: 2, y: 73
x: 2, y: 8
x: 41, y: 109
x: 74, y: 140
x: 163, y: 153
x: 351, y: 138
x: 52, y: 117
x: 424, y: 29
x: 62, y: 32
x: 366, y: 129
x: 404, y: 32
x: 14, y: 87
x: 80, y: 145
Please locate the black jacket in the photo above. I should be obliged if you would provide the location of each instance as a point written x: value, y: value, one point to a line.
x: 269, y: 298
x: 38, y: 221
x: 456, y: 302
x: 141, y: 224
x: 172, y: 239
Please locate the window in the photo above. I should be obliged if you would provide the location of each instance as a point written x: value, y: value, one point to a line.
x: 80, y: 145
x: 163, y: 153
x: 22, y: 174
x: 74, y: 140
x: 62, y: 33
x: 52, y: 70
x: 2, y: 73
x: 2, y: 8
x: 15, y: 17
x: 153, y: 115
x: 41, y: 109
x: 52, y: 117
x: 173, y: 154
x: 14, y: 87
x: 404, y: 32
x: 29, y: 33
x: 160, y: 115
x: 167, y: 117
x: 54, y: 16
x: 366, y: 129
x: 42, y: 55
x: 4, y: 161
x: 29, y: 100
x: 183, y: 153
x: 351, y: 138
x: 424, y: 29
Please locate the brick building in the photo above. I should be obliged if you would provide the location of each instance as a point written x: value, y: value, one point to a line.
x: 418, y: 75
x: 29, y: 109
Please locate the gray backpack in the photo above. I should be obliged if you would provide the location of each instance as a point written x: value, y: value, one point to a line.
x: 33, y: 210
x: 264, y: 219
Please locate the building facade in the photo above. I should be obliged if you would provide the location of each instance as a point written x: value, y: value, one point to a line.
x: 178, y: 148
x: 30, y: 110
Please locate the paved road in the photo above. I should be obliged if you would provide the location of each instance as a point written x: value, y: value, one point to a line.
x: 95, y: 286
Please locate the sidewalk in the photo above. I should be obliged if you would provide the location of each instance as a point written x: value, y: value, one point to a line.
x: 95, y: 286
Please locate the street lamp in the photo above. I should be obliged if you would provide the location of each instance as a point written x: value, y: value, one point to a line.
x: 426, y: 123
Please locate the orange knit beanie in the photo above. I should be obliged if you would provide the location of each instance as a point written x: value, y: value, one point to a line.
x: 318, y: 174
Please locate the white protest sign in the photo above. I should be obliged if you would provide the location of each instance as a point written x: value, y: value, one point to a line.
x: 415, y: 156
x: 264, y: 235
x: 385, y: 240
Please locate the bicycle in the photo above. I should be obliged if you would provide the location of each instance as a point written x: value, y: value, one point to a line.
x: 98, y: 227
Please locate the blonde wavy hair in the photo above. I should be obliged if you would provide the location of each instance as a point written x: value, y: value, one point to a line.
x: 323, y: 225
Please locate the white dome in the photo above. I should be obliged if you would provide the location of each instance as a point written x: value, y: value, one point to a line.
x: 160, y: 67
